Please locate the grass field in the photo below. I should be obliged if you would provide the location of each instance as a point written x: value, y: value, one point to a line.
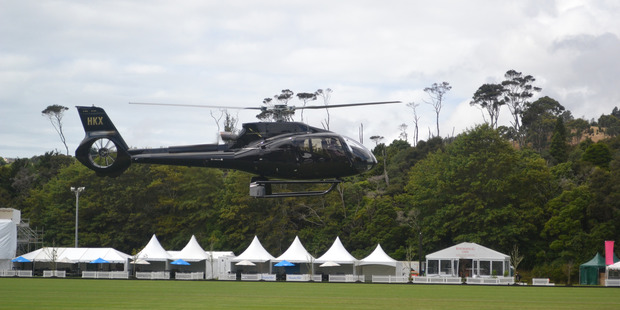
x: 21, y: 293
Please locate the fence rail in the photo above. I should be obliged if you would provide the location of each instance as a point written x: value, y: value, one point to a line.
x: 54, y: 273
x: 154, y: 275
x: 189, y: 275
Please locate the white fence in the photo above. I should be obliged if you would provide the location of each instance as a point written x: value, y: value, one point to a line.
x: 16, y: 273
x: 303, y: 277
x: 258, y: 277
x: 491, y: 281
x: 541, y: 281
x: 346, y: 278
x: 228, y: 277
x: 105, y: 274
x: 389, y: 279
x: 612, y: 282
x: 189, y: 275
x: 154, y: 275
x: 54, y: 273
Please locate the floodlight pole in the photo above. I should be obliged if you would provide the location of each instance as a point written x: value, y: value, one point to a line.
x: 77, y: 191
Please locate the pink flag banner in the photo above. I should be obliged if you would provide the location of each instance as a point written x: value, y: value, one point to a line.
x: 609, y: 253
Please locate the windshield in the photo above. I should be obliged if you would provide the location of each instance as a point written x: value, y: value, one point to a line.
x: 362, y: 157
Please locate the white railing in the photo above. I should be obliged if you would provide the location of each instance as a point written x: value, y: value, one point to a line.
x: 541, y: 281
x: 390, y: 279
x: 24, y: 273
x: 250, y: 277
x: 54, y: 273
x: 268, y: 276
x: 303, y: 277
x: 437, y: 280
x: 8, y: 273
x: 105, y: 275
x: 154, y: 275
x: 612, y: 282
x: 189, y: 275
x: 346, y: 278
x: 491, y: 281
x: 228, y: 277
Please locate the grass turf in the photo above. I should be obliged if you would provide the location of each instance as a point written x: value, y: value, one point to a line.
x: 19, y: 293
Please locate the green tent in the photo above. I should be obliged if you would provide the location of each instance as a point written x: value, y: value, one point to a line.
x: 589, y: 272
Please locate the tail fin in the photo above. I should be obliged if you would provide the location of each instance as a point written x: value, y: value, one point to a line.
x: 103, y: 149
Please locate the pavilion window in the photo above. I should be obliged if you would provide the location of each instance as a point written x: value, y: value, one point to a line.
x: 485, y: 268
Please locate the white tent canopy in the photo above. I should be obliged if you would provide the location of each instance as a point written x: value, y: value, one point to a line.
x: 378, y: 257
x: 296, y: 253
x: 76, y: 255
x: 615, y: 266
x: 153, y: 251
x: 255, y: 253
x: 192, y: 252
x: 337, y: 254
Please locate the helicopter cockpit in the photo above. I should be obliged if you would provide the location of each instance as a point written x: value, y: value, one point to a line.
x: 362, y: 157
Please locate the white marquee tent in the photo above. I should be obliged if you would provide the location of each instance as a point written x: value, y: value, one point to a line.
x: 467, y: 259
x: 298, y: 255
x: 155, y: 254
x: 377, y: 263
x: 256, y: 254
x: 339, y: 255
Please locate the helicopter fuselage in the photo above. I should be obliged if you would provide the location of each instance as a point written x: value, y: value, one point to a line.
x: 281, y: 150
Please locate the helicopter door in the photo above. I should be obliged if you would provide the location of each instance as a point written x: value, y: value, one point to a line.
x: 317, y: 155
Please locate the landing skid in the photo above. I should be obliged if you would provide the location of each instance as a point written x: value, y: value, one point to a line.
x: 261, y: 188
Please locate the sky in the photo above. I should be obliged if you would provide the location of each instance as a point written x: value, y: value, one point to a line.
x: 236, y: 53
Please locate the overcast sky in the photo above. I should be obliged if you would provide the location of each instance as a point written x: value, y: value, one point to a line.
x: 108, y: 53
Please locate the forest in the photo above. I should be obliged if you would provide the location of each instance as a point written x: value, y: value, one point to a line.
x: 549, y: 187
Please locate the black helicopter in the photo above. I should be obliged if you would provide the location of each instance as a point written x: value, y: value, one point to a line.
x: 290, y: 152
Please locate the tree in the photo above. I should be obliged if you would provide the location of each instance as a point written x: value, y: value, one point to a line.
x: 490, y: 98
x: 326, y: 95
x: 305, y: 97
x: 518, y: 89
x: 378, y: 139
x: 403, y: 131
x: 416, y: 119
x: 559, y: 144
x: 538, y: 121
x: 55, y: 113
x: 480, y: 180
x: 598, y: 154
x: 437, y: 92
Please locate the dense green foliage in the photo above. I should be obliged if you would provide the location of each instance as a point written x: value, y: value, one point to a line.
x: 557, y: 201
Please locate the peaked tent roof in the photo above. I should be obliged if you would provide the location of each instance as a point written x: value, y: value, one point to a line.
x: 378, y: 257
x: 337, y: 254
x: 255, y: 253
x: 153, y: 251
x: 76, y: 255
x: 296, y: 253
x: 192, y: 252
x: 468, y: 250
x: 598, y: 261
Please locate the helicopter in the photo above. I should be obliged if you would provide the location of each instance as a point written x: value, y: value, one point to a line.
x: 279, y: 152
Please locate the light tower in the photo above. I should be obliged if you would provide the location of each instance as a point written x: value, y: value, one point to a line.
x: 77, y: 191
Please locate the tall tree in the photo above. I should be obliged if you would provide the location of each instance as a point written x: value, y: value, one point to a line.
x: 490, y: 98
x: 436, y: 93
x: 538, y: 121
x: 518, y: 89
x: 305, y: 97
x: 326, y: 95
x: 55, y: 113
x: 416, y: 119
x: 559, y: 143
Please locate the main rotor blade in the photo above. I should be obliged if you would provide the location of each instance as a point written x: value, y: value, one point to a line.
x: 344, y: 105
x: 196, y: 106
